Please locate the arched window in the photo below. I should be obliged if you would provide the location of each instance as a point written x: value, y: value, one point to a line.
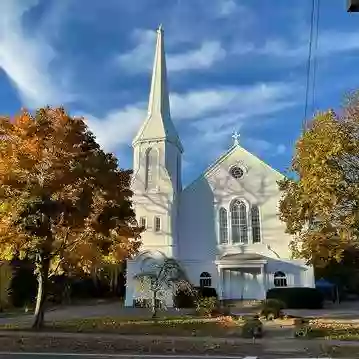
x: 256, y: 226
x: 205, y: 280
x: 151, y: 168
x: 280, y: 279
x: 223, y: 226
x: 239, y: 222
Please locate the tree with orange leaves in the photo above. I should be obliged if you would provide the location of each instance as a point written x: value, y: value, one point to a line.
x: 64, y: 202
x: 320, y: 205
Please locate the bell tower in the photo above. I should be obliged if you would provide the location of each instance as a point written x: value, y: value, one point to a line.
x: 157, y: 157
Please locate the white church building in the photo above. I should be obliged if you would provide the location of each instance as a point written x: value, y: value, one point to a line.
x: 223, y: 228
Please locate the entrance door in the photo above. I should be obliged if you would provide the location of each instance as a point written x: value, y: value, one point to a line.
x: 245, y: 284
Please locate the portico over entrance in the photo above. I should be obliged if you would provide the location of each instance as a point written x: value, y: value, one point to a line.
x: 241, y: 276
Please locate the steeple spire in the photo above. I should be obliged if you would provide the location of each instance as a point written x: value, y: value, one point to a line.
x: 159, y: 100
x: 158, y: 124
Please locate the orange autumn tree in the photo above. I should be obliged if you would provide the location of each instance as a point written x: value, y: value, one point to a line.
x: 320, y: 204
x: 65, y: 204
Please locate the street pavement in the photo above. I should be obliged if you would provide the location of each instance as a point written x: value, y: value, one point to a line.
x: 124, y: 356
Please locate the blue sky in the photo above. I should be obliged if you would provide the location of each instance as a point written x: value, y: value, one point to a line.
x: 233, y: 65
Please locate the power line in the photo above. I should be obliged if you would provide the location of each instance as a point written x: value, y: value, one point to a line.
x: 315, y: 58
x: 309, y: 60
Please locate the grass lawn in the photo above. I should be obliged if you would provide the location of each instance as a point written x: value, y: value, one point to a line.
x: 172, y: 326
x: 334, y: 330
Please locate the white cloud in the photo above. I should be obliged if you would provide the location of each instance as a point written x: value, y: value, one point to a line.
x: 261, y: 147
x: 282, y: 48
x: 118, y: 127
x: 204, y: 57
x: 26, y: 59
x: 227, y: 7
x: 140, y: 58
x: 215, y: 113
x: 245, y: 101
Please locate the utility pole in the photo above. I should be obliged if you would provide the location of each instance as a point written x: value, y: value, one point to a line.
x: 352, y: 5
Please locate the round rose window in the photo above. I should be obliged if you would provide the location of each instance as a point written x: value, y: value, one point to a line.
x: 236, y: 172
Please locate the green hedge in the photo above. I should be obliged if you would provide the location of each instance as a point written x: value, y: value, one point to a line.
x: 297, y: 298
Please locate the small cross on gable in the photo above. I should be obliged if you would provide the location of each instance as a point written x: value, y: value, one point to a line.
x: 235, y: 137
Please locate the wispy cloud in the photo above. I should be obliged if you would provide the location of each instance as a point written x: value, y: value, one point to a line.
x: 140, y: 58
x: 283, y: 48
x: 27, y: 59
x: 263, y: 147
x: 215, y: 113
x: 118, y: 127
x: 202, y: 58
x: 244, y: 101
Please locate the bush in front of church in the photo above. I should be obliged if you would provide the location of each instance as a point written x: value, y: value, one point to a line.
x: 184, y: 299
x: 297, y: 297
x: 252, y: 328
x: 206, y: 306
x: 271, y: 309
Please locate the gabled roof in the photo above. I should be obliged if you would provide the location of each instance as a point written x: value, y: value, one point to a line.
x: 231, y: 150
x: 158, y: 124
x: 215, y: 165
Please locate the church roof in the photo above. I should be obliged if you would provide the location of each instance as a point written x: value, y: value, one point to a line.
x: 235, y: 147
x: 158, y: 124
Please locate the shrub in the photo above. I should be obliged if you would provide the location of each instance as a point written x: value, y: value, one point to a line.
x: 206, y: 292
x: 184, y: 299
x: 271, y: 308
x: 206, y: 306
x: 24, y: 283
x: 297, y: 298
x: 252, y: 328
x: 301, y: 327
x: 6, y: 274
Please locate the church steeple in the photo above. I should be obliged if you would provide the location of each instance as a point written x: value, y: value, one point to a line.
x: 158, y: 124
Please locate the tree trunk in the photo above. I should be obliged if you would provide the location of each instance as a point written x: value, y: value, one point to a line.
x: 42, y: 269
x: 154, y: 307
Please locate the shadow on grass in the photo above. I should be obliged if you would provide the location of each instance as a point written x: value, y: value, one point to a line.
x: 170, y: 326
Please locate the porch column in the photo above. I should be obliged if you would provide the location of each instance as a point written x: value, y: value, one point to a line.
x: 220, y: 283
x: 264, y: 282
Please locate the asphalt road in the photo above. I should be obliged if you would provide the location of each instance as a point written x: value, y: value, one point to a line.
x: 107, y: 356
x: 125, y: 356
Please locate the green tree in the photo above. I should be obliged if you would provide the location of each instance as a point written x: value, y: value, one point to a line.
x: 320, y: 202
x: 65, y: 203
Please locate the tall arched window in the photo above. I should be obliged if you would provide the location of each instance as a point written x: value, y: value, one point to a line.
x: 256, y: 226
x: 239, y: 222
x: 280, y: 279
x: 205, y: 280
x: 223, y: 226
x: 151, y: 168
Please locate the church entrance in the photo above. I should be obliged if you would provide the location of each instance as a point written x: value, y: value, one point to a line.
x: 242, y: 284
x: 242, y: 276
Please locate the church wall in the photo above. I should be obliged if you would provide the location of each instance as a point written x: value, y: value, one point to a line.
x: 158, y: 201
x: 297, y: 273
x: 194, y: 268
x: 258, y: 186
x: 173, y: 156
x: 150, y: 206
x: 164, y: 182
x: 197, y: 239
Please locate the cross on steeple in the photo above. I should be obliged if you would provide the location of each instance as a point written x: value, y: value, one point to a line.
x: 235, y: 137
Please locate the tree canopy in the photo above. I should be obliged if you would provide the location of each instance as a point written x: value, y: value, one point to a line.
x: 320, y: 202
x: 65, y: 203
